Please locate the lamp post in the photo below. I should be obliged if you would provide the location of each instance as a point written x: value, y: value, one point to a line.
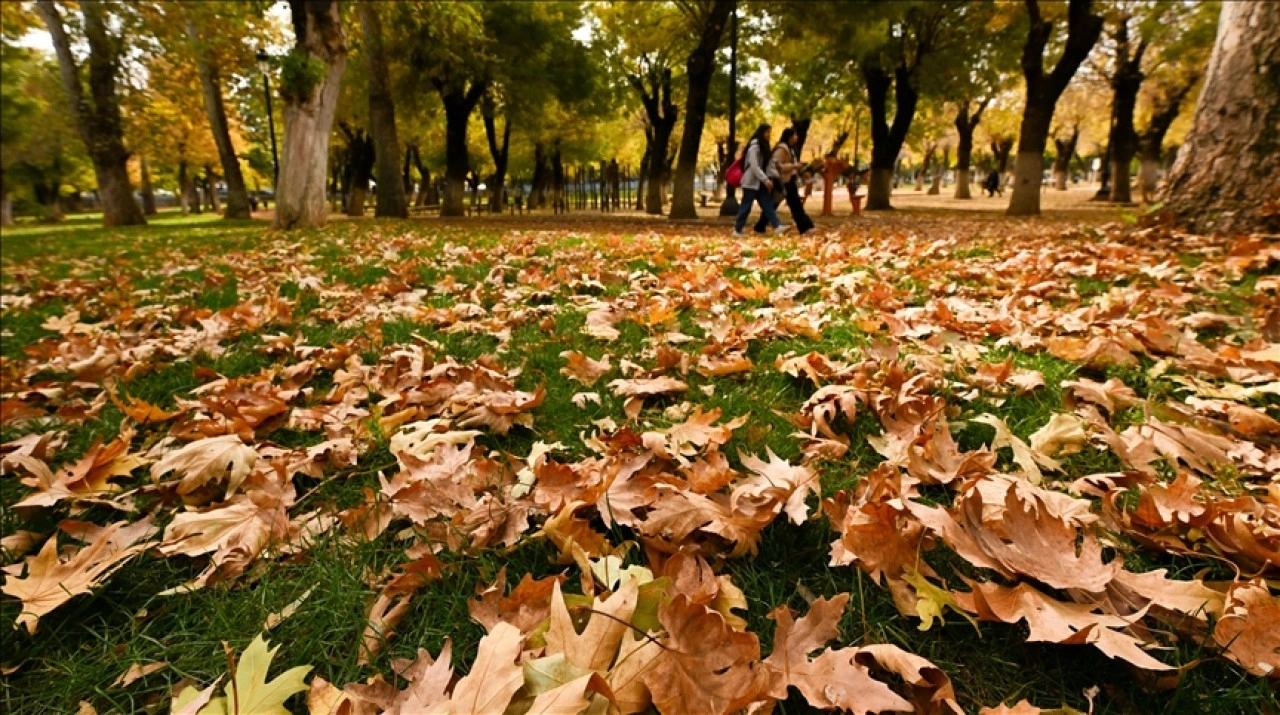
x: 730, y: 205
x: 264, y: 64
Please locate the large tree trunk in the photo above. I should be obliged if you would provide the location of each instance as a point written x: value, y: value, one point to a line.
x: 1227, y: 175
x: 886, y: 139
x: 382, y: 117
x: 499, y: 152
x: 965, y: 124
x: 458, y: 105
x: 237, y: 194
x: 308, y: 115
x: 1042, y: 94
x: 145, y: 188
x: 1065, y: 149
x: 700, y: 67
x: 98, y: 114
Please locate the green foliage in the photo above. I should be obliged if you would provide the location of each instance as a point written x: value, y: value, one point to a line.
x: 300, y: 74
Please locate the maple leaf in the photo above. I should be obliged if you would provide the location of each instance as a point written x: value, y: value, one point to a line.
x: 528, y: 604
x: 209, y: 460
x: 139, y: 410
x: 1027, y: 459
x: 1249, y: 630
x: 494, y: 677
x: 636, y: 390
x: 597, y: 645
x: 831, y: 680
x: 583, y: 369
x: 50, y: 581
x: 89, y: 476
x: 1054, y: 621
x: 797, y: 482
x: 706, y: 666
x: 249, y: 692
x: 1063, y: 434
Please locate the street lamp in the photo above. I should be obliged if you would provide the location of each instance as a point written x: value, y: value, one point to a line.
x: 264, y: 64
x: 730, y: 205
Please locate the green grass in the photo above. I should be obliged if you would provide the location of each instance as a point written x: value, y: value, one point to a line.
x: 200, y: 266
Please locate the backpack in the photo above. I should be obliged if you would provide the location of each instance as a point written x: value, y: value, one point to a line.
x: 733, y: 175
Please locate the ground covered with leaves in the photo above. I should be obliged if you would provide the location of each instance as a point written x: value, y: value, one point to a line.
x: 919, y: 463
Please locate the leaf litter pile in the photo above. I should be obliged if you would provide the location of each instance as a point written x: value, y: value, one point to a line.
x: 1065, y: 437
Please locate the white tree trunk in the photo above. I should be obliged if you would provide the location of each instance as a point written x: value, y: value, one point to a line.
x: 308, y: 121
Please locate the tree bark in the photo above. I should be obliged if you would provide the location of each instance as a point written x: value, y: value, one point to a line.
x: 699, y: 68
x: 98, y: 114
x: 1065, y: 149
x: 1043, y: 91
x: 458, y: 105
x: 382, y: 117
x: 1151, y: 139
x: 886, y: 139
x: 1227, y: 175
x: 965, y: 124
x: 237, y: 193
x: 145, y: 188
x: 308, y: 114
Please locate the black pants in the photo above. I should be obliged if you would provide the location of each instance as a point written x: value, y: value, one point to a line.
x: 795, y: 205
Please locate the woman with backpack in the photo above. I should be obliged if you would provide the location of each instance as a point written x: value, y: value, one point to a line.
x: 756, y: 184
x: 782, y: 169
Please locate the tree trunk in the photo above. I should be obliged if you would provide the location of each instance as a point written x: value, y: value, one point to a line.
x: 382, y: 116
x: 1227, y: 175
x: 940, y: 172
x: 656, y: 180
x: 98, y: 115
x: 148, y: 193
x: 965, y: 124
x: 211, y: 187
x: 641, y: 172
x: 886, y: 139
x: 237, y: 194
x: 1042, y: 94
x: 6, y: 201
x: 699, y: 68
x: 1151, y: 139
x: 308, y: 115
x: 458, y: 105
x: 361, y: 157
x: 499, y: 153
x: 1124, y: 137
x: 1065, y: 148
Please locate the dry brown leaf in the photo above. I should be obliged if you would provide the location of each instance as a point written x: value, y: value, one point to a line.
x: 706, y: 666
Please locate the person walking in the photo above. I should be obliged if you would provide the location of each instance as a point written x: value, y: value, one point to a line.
x: 783, y: 167
x: 756, y: 184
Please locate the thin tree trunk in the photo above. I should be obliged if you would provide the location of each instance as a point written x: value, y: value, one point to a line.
x: 1124, y: 137
x: 965, y: 125
x: 308, y: 115
x: 361, y: 156
x: 211, y: 186
x: 6, y: 201
x: 237, y: 193
x: 1065, y: 148
x: 499, y: 153
x: 1042, y: 93
x: 1227, y: 175
x: 1151, y: 139
x: 382, y: 117
x: 98, y: 115
x: 148, y: 193
x: 699, y: 68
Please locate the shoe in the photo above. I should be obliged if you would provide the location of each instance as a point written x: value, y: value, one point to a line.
x: 738, y: 234
x: 782, y: 229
